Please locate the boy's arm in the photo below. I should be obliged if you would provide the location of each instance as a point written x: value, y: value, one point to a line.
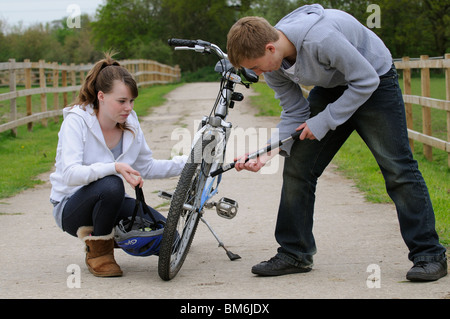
x: 295, y: 107
x: 336, y: 52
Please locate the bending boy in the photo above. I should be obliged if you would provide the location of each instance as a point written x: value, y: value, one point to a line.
x: 355, y: 88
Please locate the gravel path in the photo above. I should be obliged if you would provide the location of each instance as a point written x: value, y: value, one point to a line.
x: 357, y: 241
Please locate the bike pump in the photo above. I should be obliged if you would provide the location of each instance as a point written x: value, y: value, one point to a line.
x: 258, y: 153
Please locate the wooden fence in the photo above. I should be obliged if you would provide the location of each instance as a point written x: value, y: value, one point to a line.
x: 57, y: 78
x: 426, y: 102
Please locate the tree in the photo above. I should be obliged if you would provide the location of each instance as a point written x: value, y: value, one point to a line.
x: 5, y: 51
x: 140, y: 28
x: 207, y: 20
x: 437, y: 14
x: 120, y: 24
x: 76, y: 44
x: 408, y: 27
x: 34, y: 43
x: 271, y: 10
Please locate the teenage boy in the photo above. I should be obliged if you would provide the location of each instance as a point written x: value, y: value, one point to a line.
x: 355, y: 88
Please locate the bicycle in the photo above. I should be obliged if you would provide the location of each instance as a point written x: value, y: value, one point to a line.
x: 202, y: 174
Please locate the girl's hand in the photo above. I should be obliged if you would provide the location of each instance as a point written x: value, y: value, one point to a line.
x: 131, y: 176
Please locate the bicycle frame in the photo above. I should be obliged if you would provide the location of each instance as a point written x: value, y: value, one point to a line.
x: 216, y: 125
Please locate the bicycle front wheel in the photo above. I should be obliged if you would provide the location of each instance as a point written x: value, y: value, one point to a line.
x: 182, y: 219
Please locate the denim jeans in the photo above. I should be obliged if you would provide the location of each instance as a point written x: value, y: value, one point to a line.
x: 381, y: 123
x: 101, y: 204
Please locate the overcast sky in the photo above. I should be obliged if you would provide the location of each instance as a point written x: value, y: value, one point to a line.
x: 33, y: 11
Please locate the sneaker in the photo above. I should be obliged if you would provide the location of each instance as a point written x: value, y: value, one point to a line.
x: 427, y: 271
x: 277, y: 267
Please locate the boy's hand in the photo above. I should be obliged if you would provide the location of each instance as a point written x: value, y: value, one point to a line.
x: 306, y: 134
x: 254, y: 164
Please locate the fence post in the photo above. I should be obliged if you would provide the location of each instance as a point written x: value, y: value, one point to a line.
x: 28, y: 97
x: 178, y: 72
x: 82, y: 74
x: 151, y: 72
x: 55, y: 85
x: 42, y: 85
x: 133, y: 71
x: 12, y: 88
x: 408, y: 106
x: 64, y: 82
x: 447, y: 90
x: 426, y: 111
x: 159, y: 71
x: 141, y: 69
x: 74, y: 80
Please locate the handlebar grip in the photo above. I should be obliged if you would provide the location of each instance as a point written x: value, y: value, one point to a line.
x: 182, y: 43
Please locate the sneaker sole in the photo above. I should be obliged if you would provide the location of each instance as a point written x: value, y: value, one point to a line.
x: 272, y: 273
x: 425, y: 277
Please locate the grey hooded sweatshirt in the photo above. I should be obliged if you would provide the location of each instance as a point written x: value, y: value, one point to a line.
x: 333, y: 49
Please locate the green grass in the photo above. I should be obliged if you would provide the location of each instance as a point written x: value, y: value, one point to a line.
x: 356, y: 162
x: 152, y: 97
x: 265, y: 101
x: 24, y: 157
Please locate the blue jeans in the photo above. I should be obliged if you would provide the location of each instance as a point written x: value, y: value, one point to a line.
x: 101, y: 204
x: 381, y: 124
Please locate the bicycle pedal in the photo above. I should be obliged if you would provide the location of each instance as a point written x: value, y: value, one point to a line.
x: 165, y: 195
x: 227, y: 208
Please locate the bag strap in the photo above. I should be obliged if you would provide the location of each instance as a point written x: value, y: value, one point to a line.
x: 140, y: 195
x: 140, y: 201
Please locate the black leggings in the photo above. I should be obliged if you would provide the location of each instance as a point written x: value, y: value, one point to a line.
x: 101, y: 204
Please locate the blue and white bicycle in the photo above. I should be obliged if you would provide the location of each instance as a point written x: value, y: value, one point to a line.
x: 201, y: 176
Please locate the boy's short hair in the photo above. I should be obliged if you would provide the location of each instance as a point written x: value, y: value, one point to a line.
x: 247, y: 39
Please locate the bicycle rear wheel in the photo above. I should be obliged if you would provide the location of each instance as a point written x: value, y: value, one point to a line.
x: 182, y: 219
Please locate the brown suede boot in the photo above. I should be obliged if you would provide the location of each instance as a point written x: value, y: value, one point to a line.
x: 99, y: 253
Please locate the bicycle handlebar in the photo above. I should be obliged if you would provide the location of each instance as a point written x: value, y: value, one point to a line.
x: 197, y: 45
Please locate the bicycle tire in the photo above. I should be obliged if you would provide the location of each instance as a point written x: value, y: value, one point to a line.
x: 170, y: 258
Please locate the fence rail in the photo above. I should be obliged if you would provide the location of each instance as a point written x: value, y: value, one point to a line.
x: 54, y: 78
